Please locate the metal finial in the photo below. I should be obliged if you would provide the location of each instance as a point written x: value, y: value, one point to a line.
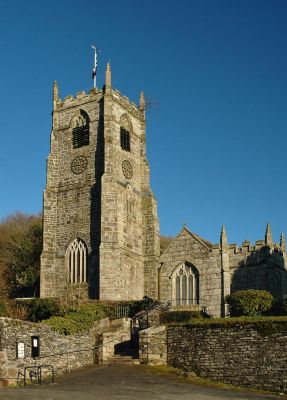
x: 94, y: 73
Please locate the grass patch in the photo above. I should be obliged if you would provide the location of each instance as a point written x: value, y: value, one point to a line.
x: 181, y: 316
x: 165, y: 370
x: 264, y: 325
x: 231, y: 321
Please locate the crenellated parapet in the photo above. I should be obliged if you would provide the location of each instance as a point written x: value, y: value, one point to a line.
x: 80, y: 98
x: 137, y: 112
x: 96, y: 94
x: 247, y: 248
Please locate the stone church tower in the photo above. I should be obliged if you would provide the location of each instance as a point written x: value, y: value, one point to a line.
x: 101, y: 233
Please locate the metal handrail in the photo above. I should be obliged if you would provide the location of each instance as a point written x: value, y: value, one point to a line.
x: 47, y: 366
x: 35, y: 371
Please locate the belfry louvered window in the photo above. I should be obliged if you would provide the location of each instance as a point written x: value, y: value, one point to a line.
x: 77, y: 261
x: 125, y: 139
x: 81, y: 135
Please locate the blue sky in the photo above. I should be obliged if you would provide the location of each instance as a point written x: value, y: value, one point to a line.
x: 215, y: 74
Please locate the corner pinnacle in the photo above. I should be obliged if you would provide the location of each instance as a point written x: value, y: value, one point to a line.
x: 55, y: 93
x: 282, y: 242
x: 223, y: 236
x: 142, y: 101
x: 108, y: 80
x: 268, y: 236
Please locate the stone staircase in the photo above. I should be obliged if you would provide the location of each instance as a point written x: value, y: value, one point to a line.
x: 118, y: 342
x: 125, y: 353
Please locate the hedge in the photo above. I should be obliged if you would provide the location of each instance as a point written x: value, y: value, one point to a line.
x: 249, y: 302
x: 180, y: 316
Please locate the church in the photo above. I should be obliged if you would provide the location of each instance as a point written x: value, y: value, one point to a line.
x: 101, y: 229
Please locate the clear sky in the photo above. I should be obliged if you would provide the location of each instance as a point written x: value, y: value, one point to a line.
x: 215, y: 74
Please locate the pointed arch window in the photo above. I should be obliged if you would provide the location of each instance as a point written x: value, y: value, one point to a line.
x: 125, y: 130
x: 125, y: 139
x: 77, y: 261
x: 186, y: 285
x: 81, y: 134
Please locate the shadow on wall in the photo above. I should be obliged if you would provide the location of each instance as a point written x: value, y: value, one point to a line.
x: 263, y: 269
x: 95, y: 228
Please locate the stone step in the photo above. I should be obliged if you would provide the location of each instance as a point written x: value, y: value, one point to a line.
x: 128, y: 351
x: 118, y: 359
x: 133, y: 354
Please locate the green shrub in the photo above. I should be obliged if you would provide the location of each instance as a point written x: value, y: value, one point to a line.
x: 80, y: 319
x: 181, y: 316
x: 141, y: 305
x: 38, y: 309
x: 89, y: 312
x: 249, y: 302
x: 63, y: 325
x: 130, y: 308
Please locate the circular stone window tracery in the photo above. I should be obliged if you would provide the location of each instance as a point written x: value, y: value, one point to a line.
x: 79, y: 165
x: 127, y: 169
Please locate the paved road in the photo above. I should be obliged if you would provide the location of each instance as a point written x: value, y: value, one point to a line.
x: 119, y: 382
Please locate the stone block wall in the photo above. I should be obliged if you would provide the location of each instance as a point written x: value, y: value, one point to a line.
x: 152, y: 346
x: 116, y: 332
x: 189, y: 248
x: 243, y: 355
x: 261, y: 267
x: 63, y: 352
x: 100, y: 194
x: 251, y: 355
x: 128, y: 219
x: 223, y: 268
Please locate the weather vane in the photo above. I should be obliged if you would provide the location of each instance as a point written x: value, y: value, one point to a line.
x: 94, y: 73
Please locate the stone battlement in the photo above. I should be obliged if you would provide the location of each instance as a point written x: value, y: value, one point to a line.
x: 247, y: 248
x: 83, y: 97
x: 95, y: 94
x: 126, y: 103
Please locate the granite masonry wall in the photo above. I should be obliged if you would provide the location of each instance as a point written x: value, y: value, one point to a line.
x: 250, y: 355
x: 190, y: 250
x: 63, y: 352
x: 108, y: 336
x: 222, y: 269
x: 99, y: 193
x: 98, y: 200
x: 152, y: 346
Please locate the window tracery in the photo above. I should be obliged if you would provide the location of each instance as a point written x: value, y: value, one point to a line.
x: 77, y: 261
x: 186, y: 285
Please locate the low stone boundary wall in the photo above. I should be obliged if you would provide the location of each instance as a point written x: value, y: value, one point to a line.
x: 251, y: 355
x: 63, y: 352
x: 152, y: 346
